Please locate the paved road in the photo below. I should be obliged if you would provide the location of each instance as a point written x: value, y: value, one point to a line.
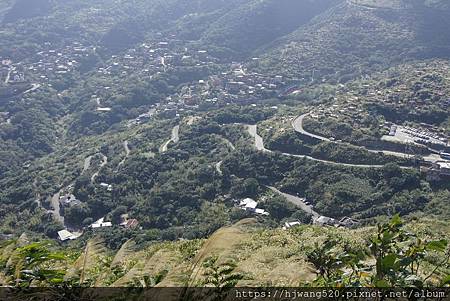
x: 175, y: 138
x: 219, y: 167
x: 259, y: 144
x: 54, y: 201
x: 8, y: 76
x: 232, y: 147
x: 33, y: 88
x: 127, y: 153
x: 297, y: 124
x: 87, y: 164
x: 104, y: 162
x: 299, y: 202
x: 163, y: 62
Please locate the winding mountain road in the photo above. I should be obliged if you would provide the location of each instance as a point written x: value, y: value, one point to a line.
x: 299, y: 202
x: 231, y: 146
x: 127, y: 153
x: 54, y: 201
x: 8, y: 76
x: 174, y: 138
x: 297, y: 124
x: 259, y: 144
x: 104, y: 162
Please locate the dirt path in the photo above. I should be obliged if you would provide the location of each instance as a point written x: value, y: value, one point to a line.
x: 8, y: 76
x: 33, y: 88
x: 87, y: 164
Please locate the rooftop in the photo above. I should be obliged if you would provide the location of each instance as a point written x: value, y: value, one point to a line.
x: 66, y: 235
x: 248, y: 203
x: 445, y: 165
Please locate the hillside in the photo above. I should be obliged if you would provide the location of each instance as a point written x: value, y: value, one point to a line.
x: 153, y: 142
x: 263, y: 257
x: 354, y: 38
x: 257, y: 23
x: 26, y: 9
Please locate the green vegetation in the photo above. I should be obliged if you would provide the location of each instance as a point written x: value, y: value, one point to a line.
x: 244, y: 254
x: 138, y: 113
x: 400, y: 257
x: 340, y: 37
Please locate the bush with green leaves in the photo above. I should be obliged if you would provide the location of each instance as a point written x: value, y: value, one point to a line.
x: 394, y: 257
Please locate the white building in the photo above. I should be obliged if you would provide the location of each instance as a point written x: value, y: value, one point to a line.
x: 107, y: 186
x: 104, y: 109
x: 325, y: 221
x: 288, y: 225
x: 251, y: 205
x: 261, y: 212
x: 64, y: 235
x: 101, y: 224
x: 248, y: 204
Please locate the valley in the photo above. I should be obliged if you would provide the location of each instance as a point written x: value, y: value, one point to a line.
x: 147, y: 138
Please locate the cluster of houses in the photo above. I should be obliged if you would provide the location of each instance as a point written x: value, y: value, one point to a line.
x: 144, y: 117
x: 155, y: 57
x: 251, y: 205
x: 69, y: 200
x: 346, y: 110
x: 436, y: 171
x: 323, y: 221
x: 420, y: 86
x: 48, y: 64
x: 126, y: 223
x: 238, y: 85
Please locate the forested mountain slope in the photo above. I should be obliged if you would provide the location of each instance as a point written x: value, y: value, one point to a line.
x: 249, y: 26
x: 354, y: 38
x: 166, y: 120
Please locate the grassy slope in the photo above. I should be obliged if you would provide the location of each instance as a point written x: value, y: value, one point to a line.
x: 271, y: 257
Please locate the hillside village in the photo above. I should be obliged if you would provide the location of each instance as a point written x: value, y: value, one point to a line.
x: 99, y: 81
x: 235, y: 84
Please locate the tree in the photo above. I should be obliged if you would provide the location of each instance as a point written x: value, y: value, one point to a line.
x: 399, y: 259
x: 116, y: 214
x: 32, y: 266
